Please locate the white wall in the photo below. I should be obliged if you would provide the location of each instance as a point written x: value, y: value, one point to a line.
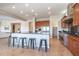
x: 55, y: 22
x: 6, y: 22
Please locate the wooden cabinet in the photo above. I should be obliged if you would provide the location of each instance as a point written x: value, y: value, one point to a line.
x: 76, y: 47
x: 70, y: 41
x: 73, y: 44
x: 63, y: 25
x: 41, y: 23
x: 73, y: 11
x: 70, y: 9
x: 73, y: 41
x: 76, y: 14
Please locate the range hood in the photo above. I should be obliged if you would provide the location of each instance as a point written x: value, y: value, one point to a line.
x: 68, y: 20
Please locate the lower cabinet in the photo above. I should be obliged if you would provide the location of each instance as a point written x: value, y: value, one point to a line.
x: 73, y: 45
x: 76, y: 48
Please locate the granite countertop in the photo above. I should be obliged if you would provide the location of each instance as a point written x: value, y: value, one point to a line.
x: 73, y: 34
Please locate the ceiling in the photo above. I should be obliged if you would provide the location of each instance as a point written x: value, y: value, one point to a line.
x: 27, y: 11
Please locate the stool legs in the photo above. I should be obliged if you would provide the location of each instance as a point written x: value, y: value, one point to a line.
x: 45, y: 46
x: 13, y: 42
x: 9, y: 41
x: 22, y: 43
x: 23, y: 40
x: 32, y: 43
x: 41, y: 45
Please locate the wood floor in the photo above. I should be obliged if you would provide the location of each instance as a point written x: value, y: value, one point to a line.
x: 56, y: 49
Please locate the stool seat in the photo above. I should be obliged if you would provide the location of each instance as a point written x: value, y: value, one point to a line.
x: 41, y: 43
x: 32, y: 42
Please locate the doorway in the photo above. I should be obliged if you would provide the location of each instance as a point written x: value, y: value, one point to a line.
x: 15, y: 27
x: 54, y: 31
x: 30, y: 27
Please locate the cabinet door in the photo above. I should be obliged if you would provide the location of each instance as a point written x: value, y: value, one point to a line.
x: 73, y: 45
x: 76, y: 48
x: 76, y: 15
x: 76, y: 19
x: 69, y: 43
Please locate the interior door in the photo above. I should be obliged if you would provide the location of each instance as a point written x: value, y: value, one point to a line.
x: 15, y: 27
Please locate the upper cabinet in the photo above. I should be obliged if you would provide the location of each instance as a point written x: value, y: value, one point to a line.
x: 39, y: 24
x: 70, y: 9
x: 63, y: 24
x: 72, y: 18
x: 76, y: 14
x: 73, y: 12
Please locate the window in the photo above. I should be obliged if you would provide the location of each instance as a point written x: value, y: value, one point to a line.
x: 45, y: 28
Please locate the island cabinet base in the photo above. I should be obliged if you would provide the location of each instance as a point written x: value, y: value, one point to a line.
x: 73, y: 45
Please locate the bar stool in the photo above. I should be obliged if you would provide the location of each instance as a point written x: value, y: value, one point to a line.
x: 41, y: 43
x: 14, y: 39
x: 23, y: 41
x: 32, y: 42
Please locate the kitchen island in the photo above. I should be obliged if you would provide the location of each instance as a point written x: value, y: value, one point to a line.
x: 38, y: 37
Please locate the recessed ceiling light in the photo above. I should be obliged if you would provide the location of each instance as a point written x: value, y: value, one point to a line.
x: 49, y: 8
x: 32, y: 10
x: 13, y: 7
x: 27, y: 5
x: 21, y: 11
